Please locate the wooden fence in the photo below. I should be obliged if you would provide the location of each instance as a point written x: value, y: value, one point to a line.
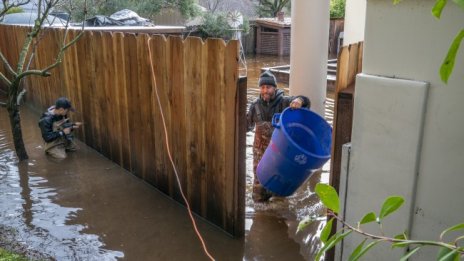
x: 108, y: 78
x: 349, y: 64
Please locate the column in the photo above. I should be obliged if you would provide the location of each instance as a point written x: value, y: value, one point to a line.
x: 309, y: 49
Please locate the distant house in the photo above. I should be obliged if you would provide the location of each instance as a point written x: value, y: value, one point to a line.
x: 273, y: 36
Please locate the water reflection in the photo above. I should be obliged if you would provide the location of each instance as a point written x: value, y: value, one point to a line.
x: 38, y: 224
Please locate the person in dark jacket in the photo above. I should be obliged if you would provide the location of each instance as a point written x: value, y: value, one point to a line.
x: 259, y: 116
x: 57, y: 129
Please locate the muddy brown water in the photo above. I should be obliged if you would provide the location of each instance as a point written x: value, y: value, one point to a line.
x: 88, y: 208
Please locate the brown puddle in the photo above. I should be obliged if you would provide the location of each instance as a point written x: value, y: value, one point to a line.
x: 88, y: 208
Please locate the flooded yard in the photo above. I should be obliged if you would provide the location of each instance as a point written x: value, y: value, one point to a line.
x: 88, y: 208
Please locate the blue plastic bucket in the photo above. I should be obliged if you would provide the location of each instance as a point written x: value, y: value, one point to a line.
x: 300, y: 144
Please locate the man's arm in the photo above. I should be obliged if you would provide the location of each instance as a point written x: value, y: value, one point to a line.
x: 46, y: 127
x: 250, y: 117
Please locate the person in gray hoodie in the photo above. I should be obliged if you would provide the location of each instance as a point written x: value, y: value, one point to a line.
x: 259, y: 116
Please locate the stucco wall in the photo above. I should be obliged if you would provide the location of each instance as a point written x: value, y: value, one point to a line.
x: 406, y: 41
x: 355, y: 17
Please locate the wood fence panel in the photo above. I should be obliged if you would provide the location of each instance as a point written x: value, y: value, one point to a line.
x: 42, y: 85
x: 145, y: 93
x: 108, y: 78
x: 160, y: 47
x: 178, y: 114
x: 230, y: 79
x: 111, y: 113
x: 84, y: 49
x: 216, y: 131
x: 55, y: 83
x: 360, y: 56
x: 102, y: 86
x: 195, y: 107
x: 133, y: 102
x: 349, y: 64
x: 72, y: 62
x: 96, y: 87
x: 240, y: 173
x: 120, y: 102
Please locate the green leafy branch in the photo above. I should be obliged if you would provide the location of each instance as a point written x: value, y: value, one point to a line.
x: 448, y: 251
x: 447, y: 66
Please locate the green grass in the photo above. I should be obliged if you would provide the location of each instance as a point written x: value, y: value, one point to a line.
x: 8, y: 256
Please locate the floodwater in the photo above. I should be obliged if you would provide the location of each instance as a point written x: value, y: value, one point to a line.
x: 88, y: 208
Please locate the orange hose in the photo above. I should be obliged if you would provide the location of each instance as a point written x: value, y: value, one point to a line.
x: 205, y: 249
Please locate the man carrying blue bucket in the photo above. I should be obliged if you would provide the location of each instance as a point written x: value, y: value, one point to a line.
x: 270, y: 101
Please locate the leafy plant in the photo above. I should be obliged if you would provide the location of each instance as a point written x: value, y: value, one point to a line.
x: 337, y: 8
x: 7, y: 255
x: 15, y: 10
x: 270, y: 8
x: 216, y: 25
x: 446, y: 251
x: 447, y: 66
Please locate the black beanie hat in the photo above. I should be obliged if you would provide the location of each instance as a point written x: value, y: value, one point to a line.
x: 64, y: 103
x: 267, y: 78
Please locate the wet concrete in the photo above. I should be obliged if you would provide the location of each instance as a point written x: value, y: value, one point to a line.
x: 88, y: 208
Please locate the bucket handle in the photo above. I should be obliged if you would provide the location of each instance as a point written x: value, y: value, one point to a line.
x: 275, y: 120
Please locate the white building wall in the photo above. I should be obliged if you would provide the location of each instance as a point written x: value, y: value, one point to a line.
x: 406, y: 41
x: 355, y: 18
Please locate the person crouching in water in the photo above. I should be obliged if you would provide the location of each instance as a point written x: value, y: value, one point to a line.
x: 270, y: 101
x: 57, y: 129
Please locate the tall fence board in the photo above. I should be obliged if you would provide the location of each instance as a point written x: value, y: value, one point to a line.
x: 348, y: 65
x: 108, y: 78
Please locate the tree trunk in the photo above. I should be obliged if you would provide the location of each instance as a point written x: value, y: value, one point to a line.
x: 15, y: 123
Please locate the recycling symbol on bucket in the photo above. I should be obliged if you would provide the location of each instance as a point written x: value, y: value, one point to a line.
x: 301, y: 159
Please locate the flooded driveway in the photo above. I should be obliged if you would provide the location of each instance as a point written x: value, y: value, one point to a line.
x: 88, y: 208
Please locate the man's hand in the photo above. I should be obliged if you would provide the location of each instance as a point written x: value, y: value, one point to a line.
x: 296, y: 103
x: 76, y: 125
x: 67, y: 130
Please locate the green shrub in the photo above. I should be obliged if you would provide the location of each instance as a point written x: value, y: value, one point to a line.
x: 15, y: 10
x: 8, y: 256
x: 337, y: 8
x: 216, y: 26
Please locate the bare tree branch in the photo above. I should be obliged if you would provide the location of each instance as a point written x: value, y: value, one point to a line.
x: 7, y: 64
x: 7, y: 7
x: 3, y: 78
x: 45, y: 72
x: 35, y: 31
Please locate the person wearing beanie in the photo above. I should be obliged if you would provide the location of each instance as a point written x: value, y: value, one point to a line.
x: 259, y: 116
x: 57, y: 129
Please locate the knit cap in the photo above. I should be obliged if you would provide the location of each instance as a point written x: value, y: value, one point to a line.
x: 267, y: 78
